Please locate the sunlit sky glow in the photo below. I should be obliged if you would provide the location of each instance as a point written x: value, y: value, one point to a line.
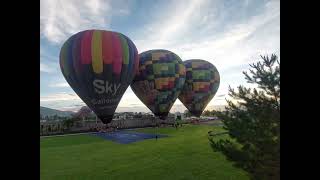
x: 230, y: 34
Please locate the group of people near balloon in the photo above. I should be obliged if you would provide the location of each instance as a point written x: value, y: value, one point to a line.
x: 100, y: 65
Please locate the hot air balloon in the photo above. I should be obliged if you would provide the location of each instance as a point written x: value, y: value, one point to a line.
x: 99, y: 66
x: 159, y: 81
x: 202, y: 83
x: 83, y: 112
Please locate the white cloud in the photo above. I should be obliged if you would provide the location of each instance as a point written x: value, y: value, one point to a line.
x: 166, y: 27
x: 45, y: 68
x: 233, y: 45
x: 59, y: 97
x: 64, y: 84
x: 61, y: 18
x: 48, y: 63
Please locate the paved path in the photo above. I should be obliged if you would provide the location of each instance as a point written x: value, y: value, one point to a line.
x: 72, y: 134
x: 65, y: 134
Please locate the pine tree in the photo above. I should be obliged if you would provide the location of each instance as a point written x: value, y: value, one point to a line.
x: 253, y: 122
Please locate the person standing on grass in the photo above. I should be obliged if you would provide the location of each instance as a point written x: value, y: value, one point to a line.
x: 177, y: 122
x: 180, y: 120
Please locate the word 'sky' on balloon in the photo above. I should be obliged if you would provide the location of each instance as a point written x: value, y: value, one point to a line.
x: 159, y: 81
x: 202, y: 83
x: 99, y: 66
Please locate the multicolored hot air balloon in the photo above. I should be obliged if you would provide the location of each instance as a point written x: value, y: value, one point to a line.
x: 159, y: 81
x: 202, y: 83
x: 99, y: 66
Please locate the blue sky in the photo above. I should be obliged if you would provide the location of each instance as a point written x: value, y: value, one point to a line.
x: 230, y: 34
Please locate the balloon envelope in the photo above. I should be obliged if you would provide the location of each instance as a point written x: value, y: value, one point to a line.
x: 159, y: 81
x: 202, y: 83
x: 84, y: 111
x: 99, y: 66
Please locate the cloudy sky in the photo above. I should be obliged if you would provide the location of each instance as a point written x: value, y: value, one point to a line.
x: 230, y: 34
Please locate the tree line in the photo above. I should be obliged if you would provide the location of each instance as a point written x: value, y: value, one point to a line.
x: 207, y: 113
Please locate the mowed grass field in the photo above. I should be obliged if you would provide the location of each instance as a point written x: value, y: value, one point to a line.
x: 185, y: 154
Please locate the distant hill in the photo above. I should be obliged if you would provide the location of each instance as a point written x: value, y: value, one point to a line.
x: 51, y: 112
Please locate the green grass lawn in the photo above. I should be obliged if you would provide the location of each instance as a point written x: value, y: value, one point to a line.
x: 186, y: 154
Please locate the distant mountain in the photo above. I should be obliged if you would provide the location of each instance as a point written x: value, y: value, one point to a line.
x: 51, y: 112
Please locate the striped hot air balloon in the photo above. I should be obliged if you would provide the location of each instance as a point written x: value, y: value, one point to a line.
x: 99, y: 66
